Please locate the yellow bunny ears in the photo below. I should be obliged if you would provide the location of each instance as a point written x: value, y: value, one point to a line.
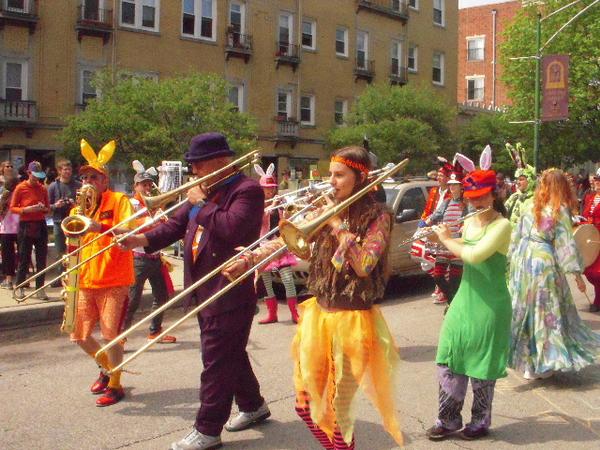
x: 97, y: 162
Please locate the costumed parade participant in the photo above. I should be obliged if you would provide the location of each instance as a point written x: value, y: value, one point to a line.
x: 525, y: 178
x: 213, y: 224
x: 474, y: 340
x: 104, y: 281
x: 342, y: 341
x: 285, y: 262
x: 148, y: 266
x: 591, y: 212
x: 547, y: 332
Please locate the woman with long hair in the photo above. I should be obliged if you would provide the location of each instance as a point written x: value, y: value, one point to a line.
x: 342, y: 341
x: 9, y: 228
x: 547, y: 333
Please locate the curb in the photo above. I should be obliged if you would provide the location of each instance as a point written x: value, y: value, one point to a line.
x: 31, y: 315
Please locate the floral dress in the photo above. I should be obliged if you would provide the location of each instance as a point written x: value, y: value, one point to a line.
x: 547, y: 332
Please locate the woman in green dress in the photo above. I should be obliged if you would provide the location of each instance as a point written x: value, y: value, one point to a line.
x: 474, y: 340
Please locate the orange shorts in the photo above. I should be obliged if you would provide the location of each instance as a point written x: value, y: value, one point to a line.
x: 104, y: 305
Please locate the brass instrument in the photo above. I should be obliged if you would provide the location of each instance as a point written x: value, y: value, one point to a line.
x: 74, y: 227
x: 298, y: 237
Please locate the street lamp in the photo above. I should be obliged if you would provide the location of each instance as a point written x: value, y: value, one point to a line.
x: 538, y: 58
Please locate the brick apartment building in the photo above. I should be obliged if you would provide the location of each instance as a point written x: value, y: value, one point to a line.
x: 479, y: 38
x: 296, y: 65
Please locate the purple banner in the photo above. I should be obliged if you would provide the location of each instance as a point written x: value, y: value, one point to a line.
x: 555, y: 87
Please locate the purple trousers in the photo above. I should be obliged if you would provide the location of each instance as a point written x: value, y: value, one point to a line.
x: 227, y: 374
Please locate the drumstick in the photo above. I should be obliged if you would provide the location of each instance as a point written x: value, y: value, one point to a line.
x: 590, y: 241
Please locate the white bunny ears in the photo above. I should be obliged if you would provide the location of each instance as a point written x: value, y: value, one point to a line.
x: 261, y: 173
x: 485, y: 160
x: 139, y: 168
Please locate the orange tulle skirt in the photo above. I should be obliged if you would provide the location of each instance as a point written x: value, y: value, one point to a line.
x: 334, y: 354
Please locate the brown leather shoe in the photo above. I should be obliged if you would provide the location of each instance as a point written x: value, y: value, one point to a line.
x: 437, y: 433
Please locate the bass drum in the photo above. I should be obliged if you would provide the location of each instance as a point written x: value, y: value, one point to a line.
x: 587, y: 240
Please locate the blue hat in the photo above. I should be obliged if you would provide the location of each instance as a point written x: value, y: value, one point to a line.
x: 36, y: 170
x: 208, y: 146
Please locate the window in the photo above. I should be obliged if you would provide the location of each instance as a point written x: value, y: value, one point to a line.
x: 341, y: 41
x: 413, y: 58
x: 475, y: 49
x: 88, y: 91
x: 15, y: 85
x: 284, y: 104
x: 141, y: 14
x: 205, y: 11
x: 341, y: 109
x: 475, y: 88
x: 438, y: 68
x: 414, y: 4
x: 412, y: 199
x: 396, y: 58
x: 285, y: 33
x: 396, y: 5
x: 309, y: 34
x: 307, y: 110
x: 16, y: 5
x: 362, y: 49
x: 237, y: 12
x: 236, y: 96
x: 438, y: 12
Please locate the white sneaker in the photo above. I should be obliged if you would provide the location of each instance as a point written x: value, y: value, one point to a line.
x: 197, y: 441
x: 246, y: 419
x: 528, y: 375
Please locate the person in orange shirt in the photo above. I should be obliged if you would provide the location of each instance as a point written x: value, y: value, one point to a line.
x: 30, y: 202
x: 105, y: 280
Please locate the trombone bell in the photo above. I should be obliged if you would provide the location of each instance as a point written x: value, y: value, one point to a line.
x: 297, y: 237
x: 75, y: 226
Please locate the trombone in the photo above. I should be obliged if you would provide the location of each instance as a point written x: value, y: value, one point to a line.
x: 82, y: 222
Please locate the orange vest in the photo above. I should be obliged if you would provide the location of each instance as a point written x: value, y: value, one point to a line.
x: 113, y: 267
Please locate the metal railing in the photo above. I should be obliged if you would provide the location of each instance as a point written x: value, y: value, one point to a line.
x: 364, y: 66
x: 13, y: 8
x: 95, y: 16
x: 285, y: 50
x: 236, y: 40
x: 398, y: 74
x: 394, y: 8
x: 18, y: 111
x: 287, y: 127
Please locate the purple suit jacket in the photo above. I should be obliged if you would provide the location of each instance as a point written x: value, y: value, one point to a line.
x: 232, y: 222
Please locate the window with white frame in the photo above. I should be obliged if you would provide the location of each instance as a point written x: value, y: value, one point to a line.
x: 414, y: 4
x: 340, y: 111
x: 307, y: 109
x: 341, y: 41
x: 438, y: 12
x: 237, y: 17
x: 284, y: 104
x: 15, y: 81
x: 309, y: 35
x: 396, y: 58
x: 236, y: 96
x: 88, y: 91
x: 362, y: 49
x: 475, y: 48
x: 413, y: 58
x: 475, y: 88
x: 438, y: 68
x: 199, y: 19
x: 142, y: 14
x: 21, y: 6
x: 285, y: 33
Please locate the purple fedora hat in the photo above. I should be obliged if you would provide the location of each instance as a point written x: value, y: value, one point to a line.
x: 208, y: 146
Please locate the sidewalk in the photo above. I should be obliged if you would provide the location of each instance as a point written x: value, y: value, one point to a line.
x: 37, y: 312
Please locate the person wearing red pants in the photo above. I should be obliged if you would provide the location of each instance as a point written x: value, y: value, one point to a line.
x: 591, y: 211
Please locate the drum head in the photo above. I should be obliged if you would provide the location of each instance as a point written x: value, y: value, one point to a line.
x: 587, y: 239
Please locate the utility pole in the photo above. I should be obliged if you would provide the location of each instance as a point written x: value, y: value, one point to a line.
x: 536, y: 117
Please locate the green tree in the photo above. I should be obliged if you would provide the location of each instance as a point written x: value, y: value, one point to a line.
x: 400, y: 122
x: 577, y: 139
x: 152, y: 121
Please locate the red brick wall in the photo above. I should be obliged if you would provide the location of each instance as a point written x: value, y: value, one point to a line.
x: 478, y: 21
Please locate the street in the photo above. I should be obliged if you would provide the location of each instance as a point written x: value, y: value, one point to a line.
x: 46, y: 404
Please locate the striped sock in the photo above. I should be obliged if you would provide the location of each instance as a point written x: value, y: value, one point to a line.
x: 319, y: 434
x: 339, y: 443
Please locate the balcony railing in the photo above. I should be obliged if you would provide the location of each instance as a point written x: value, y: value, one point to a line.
x: 398, y: 74
x: 364, y: 69
x: 475, y: 54
x: 238, y: 45
x: 18, y: 111
x: 287, y: 127
x: 96, y: 22
x: 19, y: 13
x: 396, y: 9
x: 286, y: 53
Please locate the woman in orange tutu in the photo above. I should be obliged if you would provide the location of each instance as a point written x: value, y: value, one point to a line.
x: 342, y: 342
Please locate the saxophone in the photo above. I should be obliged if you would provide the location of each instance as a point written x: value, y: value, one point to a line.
x: 74, y: 227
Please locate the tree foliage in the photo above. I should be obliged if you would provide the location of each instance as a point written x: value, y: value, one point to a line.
x: 577, y: 139
x: 400, y: 122
x: 152, y: 121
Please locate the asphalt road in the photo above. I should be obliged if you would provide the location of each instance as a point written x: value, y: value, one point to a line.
x: 45, y: 402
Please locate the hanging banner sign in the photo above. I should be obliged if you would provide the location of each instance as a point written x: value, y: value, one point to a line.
x: 555, y: 87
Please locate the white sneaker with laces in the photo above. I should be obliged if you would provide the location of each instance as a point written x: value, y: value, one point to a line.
x: 246, y: 419
x: 197, y: 441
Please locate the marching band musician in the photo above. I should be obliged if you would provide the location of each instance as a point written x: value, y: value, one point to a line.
x: 148, y: 266
x: 591, y: 211
x: 104, y: 280
x: 213, y: 224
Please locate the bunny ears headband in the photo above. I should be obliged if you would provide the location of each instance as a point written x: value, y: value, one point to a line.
x: 267, y: 179
x: 483, y: 180
x: 97, y: 162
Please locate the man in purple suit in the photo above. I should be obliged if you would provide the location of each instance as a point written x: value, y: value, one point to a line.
x: 212, y: 225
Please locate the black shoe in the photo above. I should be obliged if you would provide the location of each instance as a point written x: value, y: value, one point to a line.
x: 56, y: 284
x: 594, y: 308
x: 437, y: 433
x: 470, y: 434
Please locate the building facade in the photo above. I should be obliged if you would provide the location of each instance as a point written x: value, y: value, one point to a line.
x: 296, y: 65
x: 480, y: 34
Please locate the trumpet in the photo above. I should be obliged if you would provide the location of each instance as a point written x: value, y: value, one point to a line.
x: 428, y: 231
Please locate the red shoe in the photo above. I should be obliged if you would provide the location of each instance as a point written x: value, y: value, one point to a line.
x: 100, y: 384
x: 292, y: 304
x: 111, y: 396
x: 166, y: 339
x: 271, y: 311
